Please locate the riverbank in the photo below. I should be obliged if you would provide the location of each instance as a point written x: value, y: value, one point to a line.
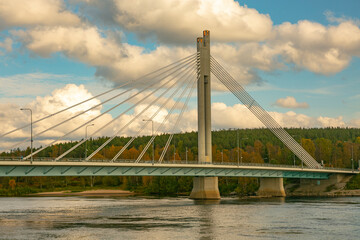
x: 125, y: 193
x: 87, y: 193
x: 334, y: 193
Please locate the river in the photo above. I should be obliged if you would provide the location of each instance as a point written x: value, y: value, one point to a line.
x: 179, y: 218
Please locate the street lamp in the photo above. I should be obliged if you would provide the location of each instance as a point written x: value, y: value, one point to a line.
x: 86, y: 139
x: 186, y: 152
x: 222, y: 156
x: 31, y: 133
x: 237, y: 144
x: 174, y: 148
x: 352, y: 157
x: 152, y: 134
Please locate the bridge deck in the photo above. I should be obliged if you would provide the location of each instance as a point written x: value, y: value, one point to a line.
x: 79, y: 168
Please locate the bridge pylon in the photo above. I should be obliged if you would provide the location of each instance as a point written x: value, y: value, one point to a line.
x: 204, y: 187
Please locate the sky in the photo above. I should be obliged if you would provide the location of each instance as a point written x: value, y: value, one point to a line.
x: 298, y: 59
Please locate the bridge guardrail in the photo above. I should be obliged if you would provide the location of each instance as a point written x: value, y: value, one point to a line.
x: 48, y: 159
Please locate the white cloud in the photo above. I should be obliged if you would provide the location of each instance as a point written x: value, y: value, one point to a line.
x: 355, y: 123
x: 320, y: 49
x: 238, y: 116
x: 223, y: 117
x: 306, y: 45
x: 290, y: 102
x: 36, y: 12
x: 331, y: 122
x: 330, y: 16
x: 12, y: 117
x: 181, y: 21
x: 113, y: 60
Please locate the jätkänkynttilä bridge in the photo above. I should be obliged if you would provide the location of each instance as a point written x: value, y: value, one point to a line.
x: 175, y: 81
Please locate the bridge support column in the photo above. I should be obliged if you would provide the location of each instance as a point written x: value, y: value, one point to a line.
x: 204, y: 187
x: 271, y: 187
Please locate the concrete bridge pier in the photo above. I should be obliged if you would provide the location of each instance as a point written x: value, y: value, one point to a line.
x: 271, y: 187
x: 204, y: 187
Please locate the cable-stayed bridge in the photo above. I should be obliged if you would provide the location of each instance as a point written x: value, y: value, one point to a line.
x: 170, y: 88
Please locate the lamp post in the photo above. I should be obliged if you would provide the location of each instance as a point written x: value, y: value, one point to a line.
x: 174, y: 148
x: 152, y: 135
x: 31, y: 133
x: 241, y: 151
x: 86, y: 139
x: 352, y: 157
x: 237, y: 144
x: 186, y: 157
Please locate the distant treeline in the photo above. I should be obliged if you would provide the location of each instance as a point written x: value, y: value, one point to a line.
x: 335, y: 146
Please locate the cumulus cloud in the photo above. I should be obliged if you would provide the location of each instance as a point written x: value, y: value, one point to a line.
x: 330, y: 16
x: 355, y: 123
x: 290, y: 102
x: 223, y: 116
x: 257, y: 45
x: 181, y: 21
x: 36, y: 12
x: 12, y: 117
x: 108, y: 124
x: 320, y: 49
x: 307, y: 45
x: 113, y: 60
x: 238, y: 116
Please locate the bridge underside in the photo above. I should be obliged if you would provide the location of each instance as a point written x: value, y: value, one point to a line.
x: 77, y: 169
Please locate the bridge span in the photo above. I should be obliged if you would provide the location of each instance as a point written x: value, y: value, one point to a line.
x: 77, y: 167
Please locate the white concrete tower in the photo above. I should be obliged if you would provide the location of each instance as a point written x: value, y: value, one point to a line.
x: 204, y: 98
x: 204, y: 187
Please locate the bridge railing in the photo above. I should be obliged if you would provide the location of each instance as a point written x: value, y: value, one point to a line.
x: 49, y: 159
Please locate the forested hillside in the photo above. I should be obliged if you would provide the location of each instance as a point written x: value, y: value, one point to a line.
x: 332, y: 145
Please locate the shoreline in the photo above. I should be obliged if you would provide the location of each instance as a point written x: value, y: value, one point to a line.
x: 87, y: 193
x: 126, y: 193
x: 334, y: 193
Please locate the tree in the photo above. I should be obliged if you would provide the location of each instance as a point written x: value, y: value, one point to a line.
x: 323, y: 150
x: 309, y: 146
x: 12, y: 184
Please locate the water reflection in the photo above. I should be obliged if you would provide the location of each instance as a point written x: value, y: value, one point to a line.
x: 206, y: 202
x: 178, y: 218
x: 206, y: 215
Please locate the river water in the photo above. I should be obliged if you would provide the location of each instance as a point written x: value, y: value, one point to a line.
x: 178, y: 218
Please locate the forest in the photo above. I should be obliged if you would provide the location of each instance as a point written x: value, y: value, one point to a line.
x: 333, y: 147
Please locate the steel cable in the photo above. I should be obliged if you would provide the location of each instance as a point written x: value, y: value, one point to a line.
x: 261, y: 114
x: 187, y: 63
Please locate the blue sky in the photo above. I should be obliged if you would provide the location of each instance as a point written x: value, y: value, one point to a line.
x: 298, y: 59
